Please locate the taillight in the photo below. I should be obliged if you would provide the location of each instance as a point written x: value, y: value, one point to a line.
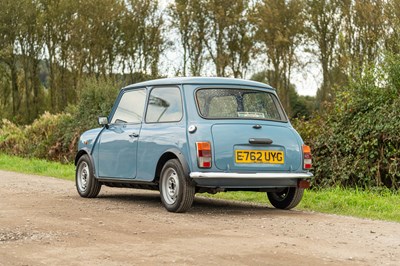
x: 307, y: 157
x: 204, y: 156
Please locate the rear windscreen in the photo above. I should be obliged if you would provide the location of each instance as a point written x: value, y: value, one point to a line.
x: 239, y: 103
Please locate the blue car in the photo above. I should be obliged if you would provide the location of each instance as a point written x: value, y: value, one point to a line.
x: 183, y: 136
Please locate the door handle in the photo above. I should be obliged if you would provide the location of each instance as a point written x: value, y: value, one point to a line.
x: 260, y: 141
x: 134, y: 135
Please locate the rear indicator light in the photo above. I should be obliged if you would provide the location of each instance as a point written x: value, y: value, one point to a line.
x: 204, y: 156
x: 307, y: 157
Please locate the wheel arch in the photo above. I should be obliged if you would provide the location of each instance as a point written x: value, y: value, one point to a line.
x: 168, y: 155
x: 80, y: 154
x: 85, y: 152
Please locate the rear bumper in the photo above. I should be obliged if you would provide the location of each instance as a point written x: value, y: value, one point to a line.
x: 222, y: 175
x: 248, y: 180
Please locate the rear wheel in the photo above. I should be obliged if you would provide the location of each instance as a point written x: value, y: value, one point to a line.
x: 176, y: 190
x: 86, y: 183
x: 287, y: 198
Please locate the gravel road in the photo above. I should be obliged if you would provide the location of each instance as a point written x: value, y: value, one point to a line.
x: 43, y: 221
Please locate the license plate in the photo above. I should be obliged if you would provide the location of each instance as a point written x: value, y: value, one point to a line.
x: 257, y: 156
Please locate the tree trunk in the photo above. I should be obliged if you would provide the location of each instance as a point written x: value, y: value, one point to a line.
x: 14, y: 82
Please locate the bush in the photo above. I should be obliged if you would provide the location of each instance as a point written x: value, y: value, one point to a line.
x: 12, y: 138
x: 51, y: 137
x: 55, y: 136
x: 43, y: 139
x: 357, y: 142
x: 96, y: 98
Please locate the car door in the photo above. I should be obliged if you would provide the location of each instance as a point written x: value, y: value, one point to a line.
x: 164, y: 129
x: 118, y: 143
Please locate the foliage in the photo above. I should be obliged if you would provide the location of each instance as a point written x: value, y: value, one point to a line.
x: 280, y: 30
x: 62, y: 56
x: 301, y: 106
x: 48, y: 48
x: 357, y: 142
x: 12, y: 138
x: 55, y: 136
x: 44, y: 138
x: 189, y: 18
x: 96, y: 99
x: 325, y: 21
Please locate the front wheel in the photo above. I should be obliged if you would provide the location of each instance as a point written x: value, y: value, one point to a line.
x: 176, y: 190
x: 287, y: 198
x: 86, y: 183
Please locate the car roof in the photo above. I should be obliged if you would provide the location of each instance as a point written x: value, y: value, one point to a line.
x: 199, y: 80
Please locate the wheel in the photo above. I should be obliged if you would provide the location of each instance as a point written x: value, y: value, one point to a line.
x: 286, y: 199
x: 86, y: 183
x: 176, y: 190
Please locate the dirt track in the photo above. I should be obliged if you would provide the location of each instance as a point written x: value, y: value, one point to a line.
x: 44, y: 221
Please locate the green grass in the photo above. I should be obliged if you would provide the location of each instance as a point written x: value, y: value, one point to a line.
x: 37, y: 167
x: 382, y: 204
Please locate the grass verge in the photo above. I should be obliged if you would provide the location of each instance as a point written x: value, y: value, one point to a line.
x: 382, y: 204
x: 37, y: 167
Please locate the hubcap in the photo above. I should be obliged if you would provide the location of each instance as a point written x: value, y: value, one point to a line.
x: 280, y: 196
x: 83, y: 176
x: 170, y: 186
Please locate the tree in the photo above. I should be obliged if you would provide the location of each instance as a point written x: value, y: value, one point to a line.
x: 363, y: 35
x: 61, y: 39
x: 142, y: 39
x: 301, y: 106
x: 392, y: 13
x: 9, y: 29
x: 280, y: 29
x: 30, y: 43
x: 189, y: 18
x: 240, y: 35
x: 218, y: 14
x: 325, y: 20
x: 222, y: 28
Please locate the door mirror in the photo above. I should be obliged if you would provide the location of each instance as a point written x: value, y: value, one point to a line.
x: 103, y: 120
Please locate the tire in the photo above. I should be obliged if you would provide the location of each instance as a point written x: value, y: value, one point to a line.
x: 86, y: 183
x: 176, y: 190
x: 286, y: 199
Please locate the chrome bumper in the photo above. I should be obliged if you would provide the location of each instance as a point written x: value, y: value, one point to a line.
x: 249, y: 175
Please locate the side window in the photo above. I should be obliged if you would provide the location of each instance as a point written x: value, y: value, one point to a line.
x: 165, y: 105
x: 130, y: 107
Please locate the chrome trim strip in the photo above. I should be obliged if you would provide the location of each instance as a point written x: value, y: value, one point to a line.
x: 249, y: 175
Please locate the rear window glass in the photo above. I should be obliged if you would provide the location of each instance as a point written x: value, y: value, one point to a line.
x: 239, y: 103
